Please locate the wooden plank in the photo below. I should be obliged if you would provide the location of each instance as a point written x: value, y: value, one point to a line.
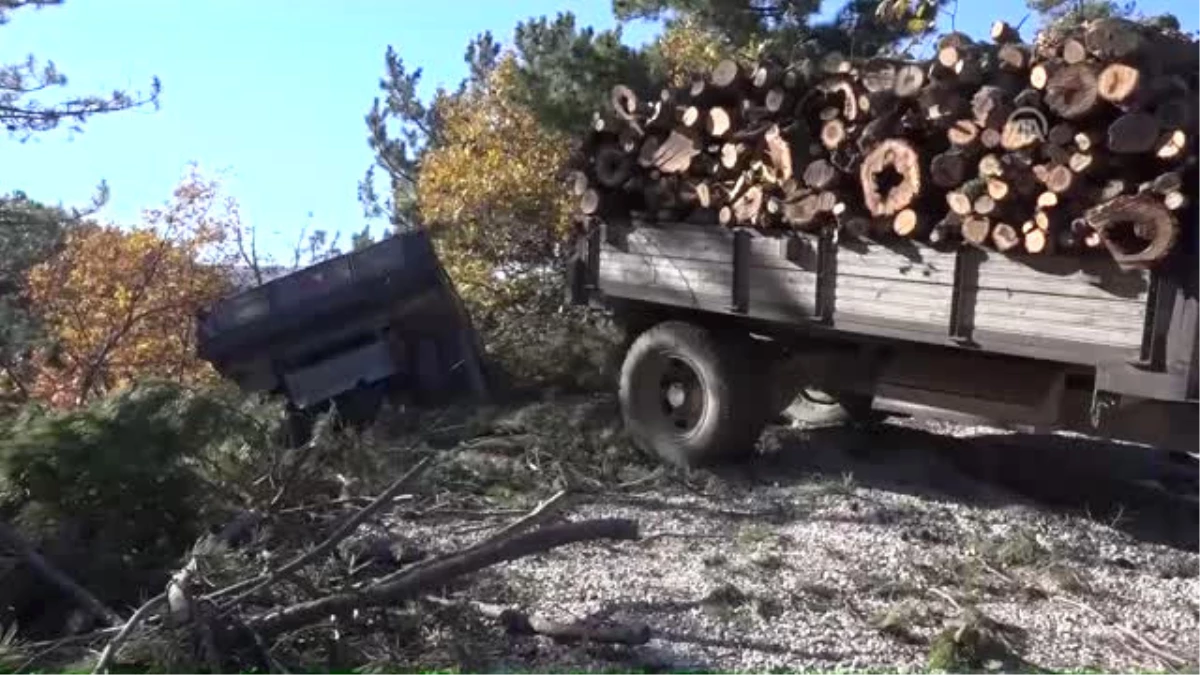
x: 713, y: 244
x: 1088, y: 311
x: 1069, y: 276
x: 1087, y: 335
x: 915, y: 263
x: 704, y: 278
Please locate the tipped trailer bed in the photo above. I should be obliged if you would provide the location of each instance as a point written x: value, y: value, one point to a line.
x: 1043, y: 342
x: 381, y: 320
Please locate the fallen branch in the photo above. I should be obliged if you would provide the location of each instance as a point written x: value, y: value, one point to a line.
x: 143, y: 613
x: 1167, y: 656
x: 9, y: 538
x: 520, y: 623
x: 538, y: 515
x: 406, y: 585
x: 256, y: 585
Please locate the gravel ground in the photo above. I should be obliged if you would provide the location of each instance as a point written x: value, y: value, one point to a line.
x: 839, y: 548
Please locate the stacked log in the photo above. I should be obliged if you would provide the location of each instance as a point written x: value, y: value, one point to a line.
x: 1080, y: 140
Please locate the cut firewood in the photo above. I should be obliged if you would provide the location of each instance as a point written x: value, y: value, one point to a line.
x: 948, y: 169
x: 718, y: 122
x: 1133, y: 133
x: 726, y: 75
x: 612, y: 166
x: 1171, y: 145
x: 908, y: 223
x: 990, y: 106
x: 990, y: 166
x: 779, y: 152
x: 1014, y: 57
x: 997, y: 189
x: 1175, y: 200
x: 624, y: 102
x: 890, y: 177
x: 747, y: 207
x: 963, y: 133
x: 1073, y: 51
x: 1005, y: 237
x: 1118, y: 82
x: 962, y: 201
x: 1040, y: 74
x: 1003, y: 33
x: 833, y: 134
x: 984, y: 205
x: 1072, y: 92
x: 1038, y: 241
x: 976, y: 230
x: 1113, y: 188
x: 1060, y: 179
x: 675, y: 153
x: 1137, y: 229
x: 577, y: 182
x: 821, y: 175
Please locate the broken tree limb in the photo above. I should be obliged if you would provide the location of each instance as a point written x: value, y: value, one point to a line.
x: 322, y: 549
x: 407, y: 585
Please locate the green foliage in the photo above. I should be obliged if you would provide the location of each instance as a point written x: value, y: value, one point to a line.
x: 786, y: 29
x: 134, y: 476
x: 29, y: 233
x: 24, y: 109
x: 564, y: 72
x: 400, y: 127
x: 1066, y: 15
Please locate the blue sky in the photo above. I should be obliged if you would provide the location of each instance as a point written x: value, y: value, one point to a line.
x: 270, y: 92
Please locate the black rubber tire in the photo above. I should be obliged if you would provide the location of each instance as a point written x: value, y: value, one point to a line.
x: 730, y: 418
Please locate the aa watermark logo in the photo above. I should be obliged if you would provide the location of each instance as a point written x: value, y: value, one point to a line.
x: 1026, y: 126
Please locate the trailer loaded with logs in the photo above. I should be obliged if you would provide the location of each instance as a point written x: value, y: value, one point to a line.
x: 1006, y: 230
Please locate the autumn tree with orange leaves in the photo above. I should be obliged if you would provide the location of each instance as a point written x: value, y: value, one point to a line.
x: 120, y: 303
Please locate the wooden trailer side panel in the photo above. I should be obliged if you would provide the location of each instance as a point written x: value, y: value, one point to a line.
x: 695, y: 266
x: 1059, y: 308
x: 1085, y: 300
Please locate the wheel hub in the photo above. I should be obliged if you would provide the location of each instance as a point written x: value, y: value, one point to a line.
x: 681, y: 396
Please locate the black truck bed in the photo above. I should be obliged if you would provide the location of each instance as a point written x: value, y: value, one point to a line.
x: 385, y: 313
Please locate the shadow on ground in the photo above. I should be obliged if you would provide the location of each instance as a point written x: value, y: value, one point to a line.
x: 1114, y: 483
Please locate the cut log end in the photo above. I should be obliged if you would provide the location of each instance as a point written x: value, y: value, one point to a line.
x: 1118, y: 82
x: 1005, y: 237
x: 890, y: 177
x: 1138, y: 230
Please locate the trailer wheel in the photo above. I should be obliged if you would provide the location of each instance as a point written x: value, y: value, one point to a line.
x: 687, y: 398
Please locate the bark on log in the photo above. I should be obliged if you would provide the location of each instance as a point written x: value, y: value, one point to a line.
x: 1133, y: 133
x: 821, y: 175
x: 1072, y: 92
x: 948, y: 169
x: 1138, y: 230
x: 779, y: 152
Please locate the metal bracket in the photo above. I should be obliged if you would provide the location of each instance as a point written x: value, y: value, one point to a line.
x: 741, y: 272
